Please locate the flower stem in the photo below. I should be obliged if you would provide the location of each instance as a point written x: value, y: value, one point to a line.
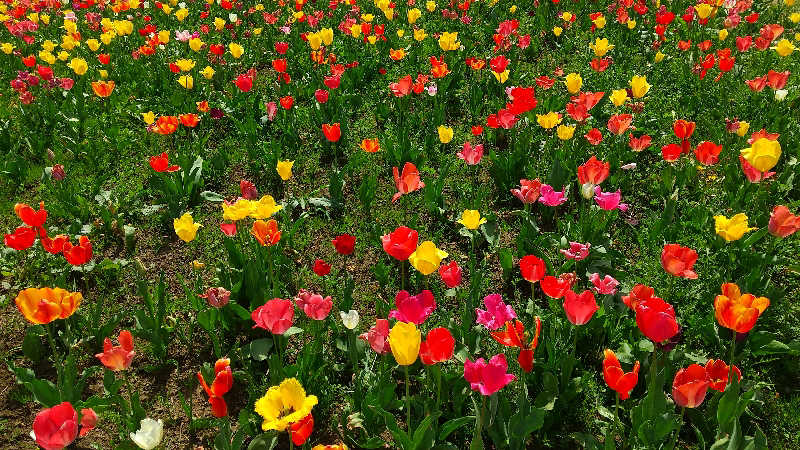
x: 678, y: 431
x: 408, y: 402
x: 616, y: 418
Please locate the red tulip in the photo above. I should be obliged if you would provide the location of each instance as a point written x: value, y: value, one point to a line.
x: 579, y: 307
x: 378, y: 337
x: 344, y: 244
x: 78, y: 254
x: 22, y: 238
x: 683, y: 129
x: 640, y: 143
x: 400, y: 243
x: 528, y: 191
x: 244, y: 82
x: 690, y: 386
x: 57, y: 427
x: 119, y: 357
x: 287, y: 102
x: 88, y: 421
x: 160, y: 163
x: 619, y: 123
x: 594, y: 136
x: 532, y: 268
x: 30, y: 216
x: 223, y: 381
x: 301, y: 430
x: 332, y: 132
x: 718, y: 372
x: 593, y: 171
x: 275, y: 316
x: 782, y: 222
x: 451, y: 274
x: 616, y: 379
x: 656, y: 319
x: 557, y: 287
x: 408, y: 182
x: 437, y: 347
x: 321, y: 268
x: 638, y: 294
x: 671, y: 152
x: 514, y: 336
x: 707, y: 153
x: 229, y: 229
x: 678, y: 260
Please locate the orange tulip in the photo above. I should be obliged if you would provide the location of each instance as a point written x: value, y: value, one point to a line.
x: 44, y: 305
x: 370, y: 145
x: 266, y: 233
x: 736, y: 311
x: 103, y: 88
x: 616, y: 379
x: 189, y: 120
x: 408, y: 182
x: 166, y: 125
x: 30, y: 216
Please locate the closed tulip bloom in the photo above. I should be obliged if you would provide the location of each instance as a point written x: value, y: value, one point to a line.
x: 600, y: 47
x: 451, y: 274
x: 119, y: 357
x: 378, y: 337
x: 266, y: 233
x: 679, y: 261
x: 405, y: 339
x: 55, y: 428
x: 408, y: 182
x: 718, y: 372
x: 437, y: 347
x: 532, y: 268
x: 300, y: 431
x: 400, y: 243
x: 736, y: 311
x: 471, y: 219
x: 497, y: 313
x: 707, y: 153
x: 690, y: 386
x: 284, y: 169
x: 332, y: 132
x: 222, y: 383
x: 488, y: 378
x: 186, y: 228
x: 344, y: 244
x: 275, y: 316
x: 763, y: 154
x: 160, y: 163
x: 284, y: 405
x: 593, y: 171
x: 415, y: 309
x: 618, y: 380
x: 445, y: 134
x: 639, y: 86
x: 370, y: 145
x: 732, y: 229
x: 782, y: 222
x: 579, y: 308
x: 683, y: 129
x: 618, y: 97
x: 573, y: 82
x: 427, y: 258
x: 656, y: 319
x: 528, y: 191
x: 103, y: 88
x: 44, y: 305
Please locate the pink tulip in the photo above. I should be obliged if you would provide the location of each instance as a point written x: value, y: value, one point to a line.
x: 378, y: 337
x: 497, y: 312
x: 488, y: 378
x: 609, y: 201
x: 55, y: 428
x: 414, y: 309
x: 471, y: 155
x: 551, y: 197
x: 579, y: 307
x: 528, y: 191
x: 275, y: 315
x: 314, y: 305
x: 576, y: 251
x: 606, y: 285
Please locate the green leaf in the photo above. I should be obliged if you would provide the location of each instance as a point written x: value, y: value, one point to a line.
x: 421, y: 433
x: 452, y: 425
x: 292, y: 331
x: 266, y: 441
x: 260, y: 349
x: 32, y: 344
x: 726, y: 409
x: 211, y: 196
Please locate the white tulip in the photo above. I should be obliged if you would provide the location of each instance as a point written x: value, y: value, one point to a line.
x: 149, y: 434
x: 780, y: 94
x: 350, y: 319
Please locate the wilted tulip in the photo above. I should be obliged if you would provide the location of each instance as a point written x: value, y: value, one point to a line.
x: 378, y: 336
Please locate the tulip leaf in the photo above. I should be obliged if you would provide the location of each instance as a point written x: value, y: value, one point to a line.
x: 452, y: 425
x: 211, y: 196
x: 266, y: 441
x: 260, y: 349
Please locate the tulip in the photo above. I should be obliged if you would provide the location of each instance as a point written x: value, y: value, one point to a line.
x: 619, y: 123
x: 471, y: 154
x: 600, y: 47
x: 120, y: 357
x: 736, y: 311
x: 732, y: 229
x: 605, y: 286
x: 557, y: 287
x: 217, y: 297
x: 414, y: 309
x: 340, y: 446
x: 690, y: 386
x: 497, y: 313
x: 88, y: 421
x: 223, y: 381
x: 528, y: 192
x: 186, y: 228
x: 427, y: 258
x: 408, y: 182
x: 344, y: 244
x: 639, y: 86
x: 349, y: 319
x: 314, y: 305
x: 266, y: 233
x: 609, y: 201
x: 451, y: 274
x: 782, y: 222
x: 471, y: 219
x: 55, y: 428
x: 656, y: 319
x: 532, y: 268
x: 718, y: 373
x: 378, y: 337
x: 638, y: 294
x: 621, y: 382
x: 618, y: 97
x: 576, y: 251
x: 30, y: 216
x: 579, y: 307
x: 284, y: 169
x: 707, y: 153
x: 370, y: 145
x: 487, y: 378
x: 565, y: 132
x: 437, y: 347
x: 514, y: 336
x: 21, y: 239
x: 549, y: 120
x: 550, y: 196
x: 284, y: 405
x: 44, y: 305
x: 573, y: 82
x: 683, y: 129
x: 400, y: 243
x: 763, y: 154
x: 445, y: 134
x: 678, y: 261
x: 161, y: 163
x: 103, y: 88
x: 593, y: 172
x: 332, y: 132
x: 404, y: 339
x: 275, y: 316
x: 264, y: 208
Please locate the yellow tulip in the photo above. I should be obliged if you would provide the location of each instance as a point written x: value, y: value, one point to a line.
x: 449, y: 41
x: 573, y: 83
x: 430, y: 6
x: 404, y: 340
x: 501, y: 77
x: 93, y: 44
x: 163, y: 37
x: 704, y: 10
x: 763, y: 154
x: 722, y: 34
x: 732, y: 229
x: 600, y: 47
x: 181, y: 14
x: 7, y: 48
x: 565, y: 132
x: 284, y: 405
x: 549, y: 120
x: 600, y: 22
x: 419, y: 35
x: 413, y: 15
x: 237, y: 211
x: 784, y: 47
x: 631, y: 24
x: 471, y: 219
x: 285, y: 169
x: 327, y: 36
x: 186, y: 81
x: 639, y: 86
x: 185, y: 227
x: 557, y: 31
x: 659, y: 57
x: 314, y: 40
x: 445, y: 134
x: 619, y: 97
x: 149, y: 117
x: 427, y: 258
x: 196, y: 44
x: 185, y: 64
x: 78, y: 65
x: 236, y: 50
x: 262, y: 209
x: 743, y: 128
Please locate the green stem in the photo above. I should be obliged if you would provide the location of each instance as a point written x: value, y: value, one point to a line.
x: 408, y: 402
x: 616, y: 419
x: 52, y: 341
x: 272, y: 274
x: 678, y: 431
x: 733, y: 355
x: 403, y: 275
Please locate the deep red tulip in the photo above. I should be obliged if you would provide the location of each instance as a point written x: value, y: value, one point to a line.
x: 321, y: 268
x: 579, y: 307
x: 437, y: 347
x: 690, y: 386
x: 532, y: 268
x: 344, y: 244
x: 400, y: 243
x: 656, y: 319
